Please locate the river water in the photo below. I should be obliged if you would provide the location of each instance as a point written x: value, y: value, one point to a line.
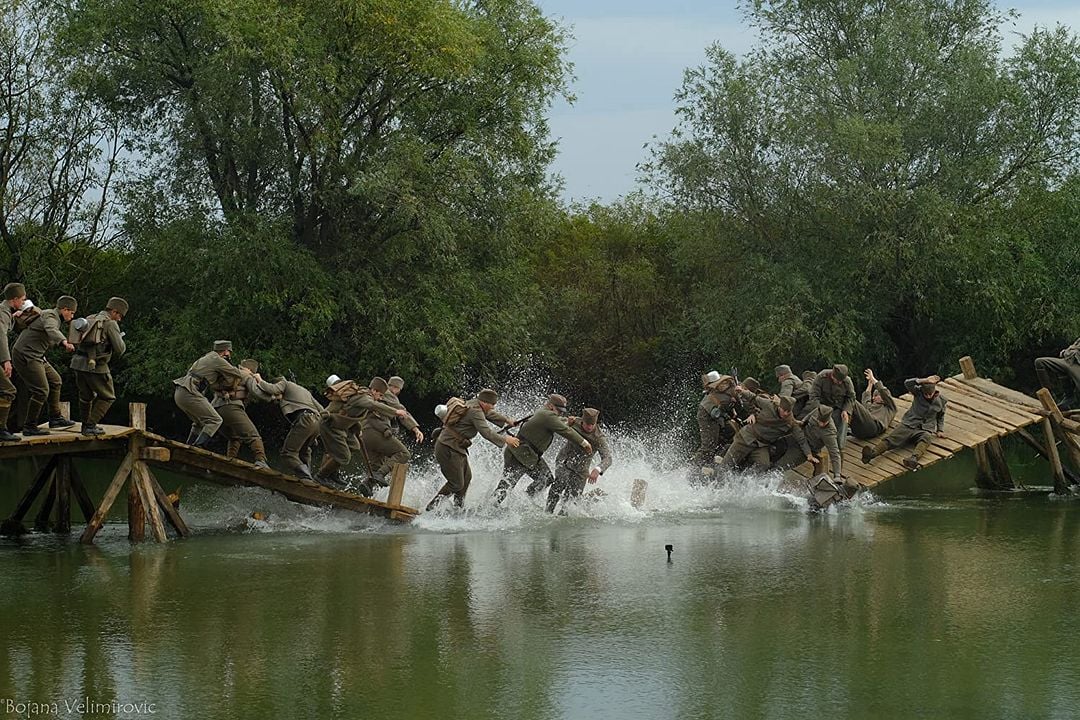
x: 922, y: 601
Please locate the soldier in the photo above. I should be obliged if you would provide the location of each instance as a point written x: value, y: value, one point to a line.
x: 771, y: 422
x: 94, y: 380
x: 820, y: 431
x: 212, y: 370
x: 14, y: 296
x: 40, y: 378
x: 455, y: 437
x: 384, y: 448
x: 536, y: 433
x: 923, y: 420
x: 395, y: 385
x: 801, y: 393
x: 874, y: 414
x: 833, y: 387
x: 303, y: 412
x: 717, y: 407
x: 351, y: 404
x: 1066, y: 365
x: 230, y: 402
x: 572, y: 463
x: 788, y: 382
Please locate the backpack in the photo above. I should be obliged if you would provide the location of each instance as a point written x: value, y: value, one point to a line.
x: 343, y: 390
x: 88, y: 332
x: 455, y: 410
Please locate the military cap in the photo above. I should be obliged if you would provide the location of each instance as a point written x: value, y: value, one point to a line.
x: 590, y: 416
x: 66, y: 302
x: 786, y: 403
x: 557, y: 401
x: 928, y: 388
x: 378, y: 384
x: 782, y: 370
x: 824, y: 412
x: 709, y: 378
x: 252, y: 365
x: 487, y: 395
x: 118, y: 304
x: 724, y: 381
x: 222, y: 345
x: 809, y: 375
x: 14, y: 290
x: 840, y: 370
x: 396, y: 381
x: 751, y: 384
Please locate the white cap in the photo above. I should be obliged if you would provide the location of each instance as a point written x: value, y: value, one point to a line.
x: 332, y: 380
x: 440, y: 412
x: 712, y: 376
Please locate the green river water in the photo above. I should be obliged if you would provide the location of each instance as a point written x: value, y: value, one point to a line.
x: 924, y: 602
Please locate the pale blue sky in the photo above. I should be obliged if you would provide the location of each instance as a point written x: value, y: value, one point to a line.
x: 629, y: 58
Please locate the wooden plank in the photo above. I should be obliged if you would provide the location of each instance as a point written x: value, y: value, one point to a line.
x: 108, y: 499
x: 141, y: 476
x: 1071, y: 444
x: 1015, y: 397
x: 41, y: 522
x: 43, y: 476
x: 75, y: 446
x: 955, y: 386
x: 966, y: 408
x: 1060, y: 486
x: 967, y: 366
x: 137, y: 415
x: 171, y: 513
x: 992, y: 408
x: 63, y: 496
x: 159, y: 454
x: 397, y: 485
x: 637, y: 493
x: 83, y: 497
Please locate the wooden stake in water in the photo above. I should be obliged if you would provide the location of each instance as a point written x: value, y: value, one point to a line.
x: 637, y: 495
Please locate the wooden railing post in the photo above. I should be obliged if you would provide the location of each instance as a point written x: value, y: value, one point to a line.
x: 1072, y: 447
x: 136, y: 510
x: 397, y: 485
x: 967, y: 366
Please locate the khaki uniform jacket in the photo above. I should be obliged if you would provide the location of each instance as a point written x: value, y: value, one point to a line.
x: 924, y: 414
x: 768, y: 427
x: 212, y: 369
x: 825, y: 392
x: 537, y: 433
x: 788, y: 386
x: 112, y: 346
x: 458, y: 437
x: 801, y: 393
x: 886, y: 411
x: 1072, y: 353
x: 42, y: 333
x: 713, y: 400
x: 355, y: 411
x: 289, y: 396
x: 574, y: 456
x: 6, y: 321
x: 408, y: 422
x: 824, y: 438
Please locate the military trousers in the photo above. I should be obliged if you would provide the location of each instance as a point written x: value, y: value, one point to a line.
x: 42, y: 384
x: 96, y: 395
x: 337, y: 441
x: 455, y: 468
x: 296, y: 449
x: 903, y: 436
x: 204, y: 418
x: 569, y: 483
x: 841, y: 427
x: 1050, y: 368
x: 7, y: 398
x: 742, y: 450
x: 709, y: 433
x: 238, y: 429
x: 384, y: 451
x: 864, y: 426
x: 513, y: 469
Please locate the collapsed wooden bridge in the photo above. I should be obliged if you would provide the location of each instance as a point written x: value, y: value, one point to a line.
x: 980, y: 414
x: 139, y: 450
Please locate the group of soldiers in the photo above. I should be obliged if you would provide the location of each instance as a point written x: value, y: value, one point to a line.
x: 741, y: 425
x: 368, y: 419
x: 29, y: 382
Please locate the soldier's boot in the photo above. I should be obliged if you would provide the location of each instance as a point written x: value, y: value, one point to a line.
x: 98, y: 408
x: 201, y: 440
x: 912, y: 462
x: 84, y: 412
x: 191, y: 435
x: 379, y: 477
x: 232, y: 449
x: 869, y: 452
x: 33, y: 409
x: 502, y: 490
x: 5, y: 410
x: 443, y: 492
x: 553, y: 500
x: 258, y: 449
x: 328, y: 471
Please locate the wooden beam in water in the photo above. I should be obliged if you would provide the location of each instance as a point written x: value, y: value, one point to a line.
x: 41, y: 522
x: 397, y: 485
x: 83, y: 497
x: 1043, y: 452
x: 13, y: 525
x: 108, y: 499
x: 63, y: 495
x: 1071, y: 444
x: 140, y: 477
x: 1057, y: 469
x: 171, y: 513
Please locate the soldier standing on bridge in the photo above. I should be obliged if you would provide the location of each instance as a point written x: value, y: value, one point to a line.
x: 211, y: 370
x: 874, y: 414
x: 93, y: 379
x: 923, y: 420
x: 1066, y: 365
x: 14, y: 295
x: 37, y: 373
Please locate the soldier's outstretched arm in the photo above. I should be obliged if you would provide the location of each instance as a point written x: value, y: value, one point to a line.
x: 116, y: 338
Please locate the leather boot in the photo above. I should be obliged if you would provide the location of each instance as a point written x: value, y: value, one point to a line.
x: 258, y: 449
x: 5, y: 410
x: 84, y: 413
x: 869, y: 452
x: 232, y: 449
x: 202, y: 440
x: 328, y: 472
x: 912, y: 462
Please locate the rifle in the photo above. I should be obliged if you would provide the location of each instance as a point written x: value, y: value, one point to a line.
x: 517, y: 423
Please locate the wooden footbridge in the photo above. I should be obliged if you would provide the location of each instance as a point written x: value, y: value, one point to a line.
x: 979, y: 414
x: 139, y: 450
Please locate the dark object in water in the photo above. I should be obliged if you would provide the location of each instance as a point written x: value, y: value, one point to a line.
x: 824, y: 492
x: 669, y: 548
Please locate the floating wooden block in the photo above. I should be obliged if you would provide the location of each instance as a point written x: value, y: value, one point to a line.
x: 397, y: 485
x: 637, y: 494
x: 155, y: 453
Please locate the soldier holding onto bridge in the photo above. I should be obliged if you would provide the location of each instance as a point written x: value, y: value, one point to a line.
x: 771, y: 422
x: 924, y: 420
x: 873, y: 415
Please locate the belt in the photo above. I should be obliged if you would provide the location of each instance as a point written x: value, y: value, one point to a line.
x: 297, y: 414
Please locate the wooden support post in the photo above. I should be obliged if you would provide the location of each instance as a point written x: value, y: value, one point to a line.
x: 140, y: 477
x: 41, y: 522
x: 13, y: 525
x: 967, y: 366
x: 1070, y: 443
x: 397, y: 484
x: 136, y: 507
x: 1060, y: 486
x: 107, y: 501
x: 171, y: 513
x: 81, y: 496
x: 637, y: 494
x: 63, y: 495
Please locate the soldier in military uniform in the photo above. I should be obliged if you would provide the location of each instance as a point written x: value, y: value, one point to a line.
x: 536, y: 434
x: 801, y: 393
x: 212, y: 370
x: 455, y: 437
x: 14, y: 295
x: 383, y: 446
x: 354, y: 404
x: 38, y: 376
x: 302, y: 411
x: 874, y: 414
x: 834, y: 388
x: 1066, y: 365
x: 572, y: 463
x: 820, y: 431
x: 788, y: 381
x: 94, y: 380
x: 716, y: 408
x: 771, y: 422
x: 230, y: 402
x: 395, y: 384
x: 924, y: 420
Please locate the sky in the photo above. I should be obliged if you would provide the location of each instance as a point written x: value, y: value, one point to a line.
x: 629, y: 58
